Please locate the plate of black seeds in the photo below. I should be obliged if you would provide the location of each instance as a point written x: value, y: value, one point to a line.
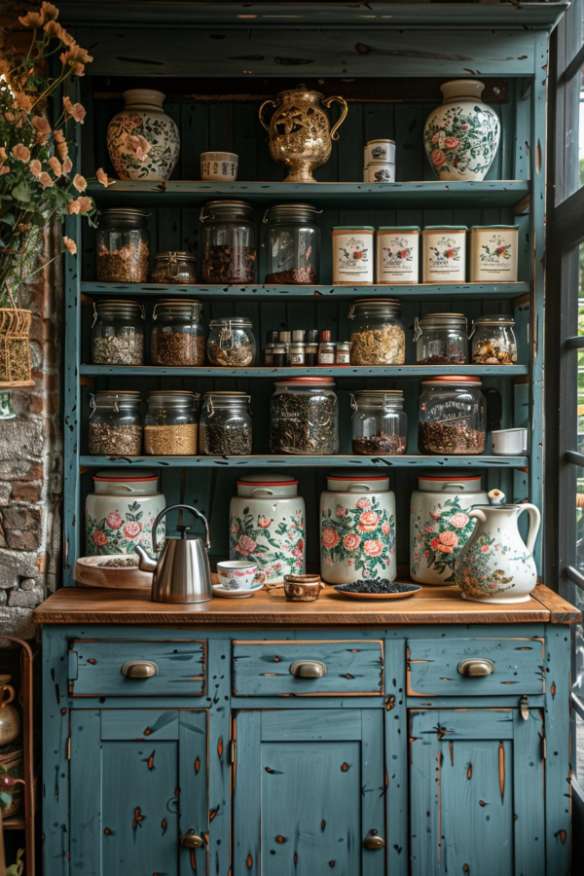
x: 377, y: 588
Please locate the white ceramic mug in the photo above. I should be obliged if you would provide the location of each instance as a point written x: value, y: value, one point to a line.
x: 219, y: 166
x: 509, y: 442
x: 239, y: 574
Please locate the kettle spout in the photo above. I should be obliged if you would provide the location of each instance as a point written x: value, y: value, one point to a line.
x: 146, y: 564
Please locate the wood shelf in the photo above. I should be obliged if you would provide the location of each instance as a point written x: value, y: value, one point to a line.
x: 291, y: 462
x: 269, y: 372
x: 14, y: 824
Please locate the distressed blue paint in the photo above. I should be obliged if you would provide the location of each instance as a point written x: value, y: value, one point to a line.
x: 268, y: 373
x: 274, y: 461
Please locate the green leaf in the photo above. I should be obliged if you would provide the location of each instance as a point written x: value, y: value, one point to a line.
x: 21, y: 192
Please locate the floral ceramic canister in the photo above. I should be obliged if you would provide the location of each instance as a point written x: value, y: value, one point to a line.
x: 440, y: 524
x: 142, y: 140
x: 444, y: 253
x: 357, y: 528
x: 493, y: 253
x: 120, y: 513
x: 461, y: 137
x: 267, y: 525
x: 397, y: 255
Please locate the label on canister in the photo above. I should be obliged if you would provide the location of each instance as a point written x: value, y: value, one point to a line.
x: 353, y: 255
x: 379, y: 150
x: 493, y: 254
x: 397, y: 255
x: 379, y: 171
x: 444, y: 255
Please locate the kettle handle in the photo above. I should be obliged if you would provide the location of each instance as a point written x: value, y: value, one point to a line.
x: 534, y: 521
x: 194, y: 511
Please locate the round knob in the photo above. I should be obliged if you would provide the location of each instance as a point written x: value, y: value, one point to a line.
x: 476, y: 667
x: 140, y: 669
x: 308, y: 669
x: 374, y: 842
x: 191, y: 840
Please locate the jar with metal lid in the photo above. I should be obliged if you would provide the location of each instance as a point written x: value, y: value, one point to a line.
x: 171, y: 423
x: 123, y: 250
x: 292, y: 244
x: 174, y: 266
x: 115, y: 423
x: 452, y: 417
x: 228, y: 243
x: 226, y: 424
x: 231, y: 342
x: 494, y: 341
x: 119, y: 514
x: 178, y: 336
x: 343, y: 353
x: 378, y: 337
x: 444, y: 253
x: 441, y: 339
x: 297, y: 354
x: 117, y: 332
x: 380, y: 424
x: 304, y: 416
x: 326, y: 353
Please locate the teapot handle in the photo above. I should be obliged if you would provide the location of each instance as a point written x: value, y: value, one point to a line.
x: 534, y: 521
x: 477, y: 514
x: 344, y: 113
x: 194, y: 511
x: 266, y: 103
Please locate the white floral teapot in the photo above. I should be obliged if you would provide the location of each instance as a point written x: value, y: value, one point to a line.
x: 496, y: 565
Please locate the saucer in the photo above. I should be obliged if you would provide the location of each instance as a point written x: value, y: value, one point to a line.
x: 241, y: 593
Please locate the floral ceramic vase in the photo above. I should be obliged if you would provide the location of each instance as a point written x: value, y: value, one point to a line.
x: 440, y: 524
x: 357, y: 529
x: 461, y: 137
x: 143, y: 142
x: 496, y: 565
x: 120, y: 513
x: 267, y: 525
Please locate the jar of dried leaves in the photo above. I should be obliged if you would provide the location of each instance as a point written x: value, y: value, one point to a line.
x: 380, y: 424
x: 123, y: 251
x: 231, y: 342
x: 115, y: 423
x: 178, y: 335
x: 378, y: 337
x: 117, y: 332
x: 452, y: 416
x: 304, y: 416
x: 228, y: 243
x: 226, y: 425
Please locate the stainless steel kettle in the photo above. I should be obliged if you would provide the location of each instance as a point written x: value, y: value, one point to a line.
x: 182, y: 573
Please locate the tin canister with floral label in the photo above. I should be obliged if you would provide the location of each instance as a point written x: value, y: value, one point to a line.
x: 493, y: 253
x: 397, y: 256
x: 444, y: 253
x: 120, y: 512
x: 353, y: 255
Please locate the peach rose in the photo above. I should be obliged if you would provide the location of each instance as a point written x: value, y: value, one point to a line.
x: 341, y: 511
x: 368, y: 521
x: 351, y: 541
x: 56, y: 166
x: 264, y: 522
x: 21, y: 152
x: 438, y: 158
x: 132, y: 529
x: 74, y: 110
x: 114, y: 520
x: 450, y: 539
x: 372, y: 547
x: 364, y: 504
x: 459, y: 520
x: 99, y: 538
x: 79, y: 182
x: 451, y: 142
x: 42, y: 128
x: 484, y: 549
x: 70, y: 245
x: 35, y: 168
x: 444, y: 548
x: 245, y: 545
x: 330, y: 538
x: 385, y: 528
x: 102, y: 177
x: 45, y: 180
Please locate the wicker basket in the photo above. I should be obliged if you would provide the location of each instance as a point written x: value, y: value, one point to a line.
x: 15, y: 358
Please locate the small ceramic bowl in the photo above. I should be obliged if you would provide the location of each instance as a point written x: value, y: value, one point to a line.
x: 239, y: 575
x: 379, y: 171
x: 219, y: 166
x: 302, y: 588
x: 509, y: 442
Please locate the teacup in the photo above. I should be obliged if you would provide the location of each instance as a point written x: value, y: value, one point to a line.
x: 219, y: 166
x: 302, y: 588
x: 239, y: 574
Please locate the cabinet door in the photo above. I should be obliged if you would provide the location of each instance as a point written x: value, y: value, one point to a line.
x: 309, y: 793
x: 477, y: 792
x: 138, y: 786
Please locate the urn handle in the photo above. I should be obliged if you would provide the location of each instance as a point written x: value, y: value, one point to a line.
x: 534, y: 521
x: 344, y: 113
x: 268, y: 102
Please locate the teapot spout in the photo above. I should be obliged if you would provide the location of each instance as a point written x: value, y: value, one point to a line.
x: 146, y: 564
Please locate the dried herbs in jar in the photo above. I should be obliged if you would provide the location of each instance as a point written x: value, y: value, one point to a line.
x: 378, y: 337
x: 226, y: 425
x: 452, y: 416
x: 304, y: 416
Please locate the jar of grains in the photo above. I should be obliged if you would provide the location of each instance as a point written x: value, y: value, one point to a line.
x: 494, y: 341
x: 441, y: 339
x: 353, y: 255
x: 228, y: 243
x: 380, y: 424
x: 117, y: 332
x: 171, y: 423
x: 123, y: 252
x: 226, y: 426
x: 115, y: 424
x: 378, y: 337
x: 231, y: 342
x: 178, y: 335
x: 292, y: 244
x: 304, y: 416
x: 452, y: 416
x: 444, y: 253
x: 174, y: 267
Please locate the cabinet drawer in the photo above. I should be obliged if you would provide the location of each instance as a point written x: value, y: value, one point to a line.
x: 102, y: 667
x: 478, y: 666
x: 348, y: 667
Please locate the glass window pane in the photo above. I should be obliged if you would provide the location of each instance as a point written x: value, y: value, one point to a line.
x: 580, y: 750
x: 574, y: 133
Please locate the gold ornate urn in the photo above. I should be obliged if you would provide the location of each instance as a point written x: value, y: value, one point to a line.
x: 299, y: 130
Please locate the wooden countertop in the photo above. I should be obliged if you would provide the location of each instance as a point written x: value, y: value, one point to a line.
x: 432, y: 605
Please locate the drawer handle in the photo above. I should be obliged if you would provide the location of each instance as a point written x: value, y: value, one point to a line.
x: 138, y: 670
x: 476, y: 667
x: 373, y: 842
x: 192, y: 840
x: 308, y: 669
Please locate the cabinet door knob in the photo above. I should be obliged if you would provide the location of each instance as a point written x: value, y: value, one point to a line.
x: 308, y: 669
x: 192, y: 840
x: 374, y: 842
x: 476, y: 667
x: 140, y: 669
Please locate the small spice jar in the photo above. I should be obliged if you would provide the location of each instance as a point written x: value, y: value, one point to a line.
x: 115, y: 424
x: 397, y: 257
x: 452, y: 417
x: 231, y: 342
x: 441, y: 339
x: 353, y: 255
x: 326, y: 353
x: 228, y: 243
x: 226, y: 424
x: 444, y: 253
x: 123, y: 250
x: 297, y: 354
x: 378, y: 337
x: 292, y: 244
x: 117, y: 332
x: 343, y: 353
x: 178, y: 334
x: 304, y: 416
x: 170, y: 425
x: 493, y: 253
x: 494, y: 341
x: 174, y: 267
x: 380, y: 424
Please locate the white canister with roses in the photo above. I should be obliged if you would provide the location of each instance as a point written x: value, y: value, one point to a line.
x: 357, y: 528
x: 440, y: 525
x: 120, y: 513
x: 267, y: 525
